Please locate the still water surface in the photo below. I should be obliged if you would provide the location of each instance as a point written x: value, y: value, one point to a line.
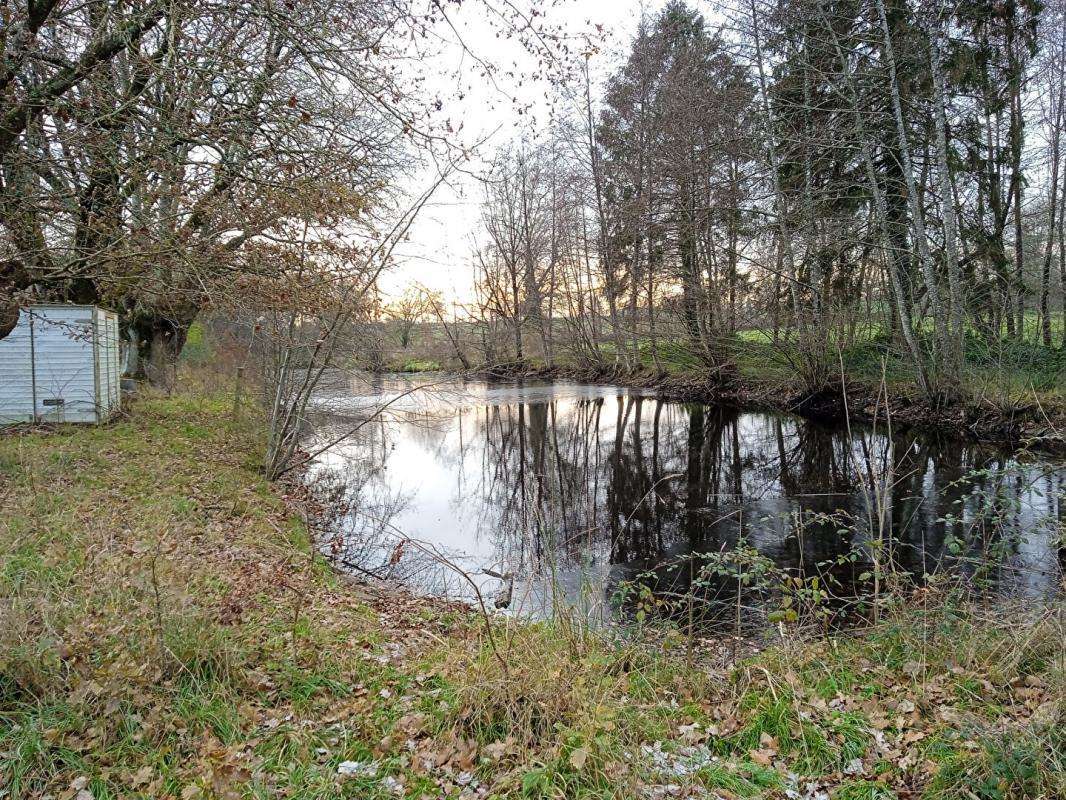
x: 577, y: 494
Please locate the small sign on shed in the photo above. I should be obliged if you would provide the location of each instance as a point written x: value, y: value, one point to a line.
x: 61, y: 364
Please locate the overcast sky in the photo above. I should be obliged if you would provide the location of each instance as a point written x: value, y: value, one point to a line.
x: 438, y: 254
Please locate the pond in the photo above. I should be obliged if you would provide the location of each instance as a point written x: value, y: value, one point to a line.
x: 534, y: 496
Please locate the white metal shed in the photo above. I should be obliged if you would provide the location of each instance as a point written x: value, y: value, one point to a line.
x: 61, y: 364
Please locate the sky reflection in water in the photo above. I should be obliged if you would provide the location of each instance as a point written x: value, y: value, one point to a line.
x: 577, y: 490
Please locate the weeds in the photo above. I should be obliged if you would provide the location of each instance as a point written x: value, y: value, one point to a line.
x: 863, y: 790
x: 167, y: 629
x: 1003, y: 766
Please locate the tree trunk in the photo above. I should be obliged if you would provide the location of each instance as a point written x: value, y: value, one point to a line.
x: 900, y: 289
x: 1062, y: 261
x: 780, y: 205
x: 1058, y: 98
x: 9, y: 318
x: 689, y: 268
x: 1045, y: 272
x: 159, y: 340
x: 1016, y: 132
x: 917, y: 217
x: 954, y: 356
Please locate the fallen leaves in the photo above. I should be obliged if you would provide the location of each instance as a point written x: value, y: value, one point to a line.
x: 578, y: 757
x: 77, y: 790
x: 226, y: 568
x: 764, y: 755
x: 692, y: 734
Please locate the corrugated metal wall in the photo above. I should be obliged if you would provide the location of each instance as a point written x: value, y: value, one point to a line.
x: 64, y: 358
x: 16, y: 377
x: 60, y: 364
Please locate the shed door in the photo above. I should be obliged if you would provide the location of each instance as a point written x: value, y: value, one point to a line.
x: 64, y: 364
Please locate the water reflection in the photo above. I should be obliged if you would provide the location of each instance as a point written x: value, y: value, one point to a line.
x: 575, y: 492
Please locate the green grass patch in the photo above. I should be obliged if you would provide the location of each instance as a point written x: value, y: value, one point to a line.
x: 1002, y: 767
x: 863, y: 790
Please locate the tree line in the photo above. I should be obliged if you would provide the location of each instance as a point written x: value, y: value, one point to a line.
x: 797, y: 177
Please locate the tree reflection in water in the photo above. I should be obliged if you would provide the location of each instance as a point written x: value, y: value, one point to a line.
x: 578, y: 491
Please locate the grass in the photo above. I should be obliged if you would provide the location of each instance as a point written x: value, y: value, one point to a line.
x: 419, y: 365
x: 1002, y: 374
x: 1006, y: 373
x: 863, y: 790
x: 167, y: 631
x: 160, y: 605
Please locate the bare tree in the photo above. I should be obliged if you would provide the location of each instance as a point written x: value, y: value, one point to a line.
x: 406, y: 311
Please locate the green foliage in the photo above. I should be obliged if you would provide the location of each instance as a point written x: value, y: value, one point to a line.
x: 743, y: 779
x: 863, y: 790
x: 197, y: 350
x: 420, y: 365
x: 1003, y: 767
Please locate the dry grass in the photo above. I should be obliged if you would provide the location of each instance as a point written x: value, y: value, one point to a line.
x: 160, y: 605
x: 167, y: 632
x: 929, y: 702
